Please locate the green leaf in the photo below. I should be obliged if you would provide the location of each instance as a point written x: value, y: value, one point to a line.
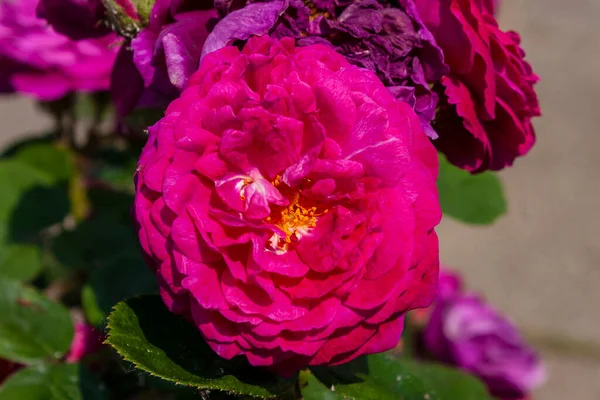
x: 91, y: 309
x: 124, y: 276
x: 116, y: 165
x: 29, y: 202
x: 91, y: 386
x: 474, y: 199
x: 145, y: 333
x: 20, y: 262
x: 43, y: 382
x: 57, y: 162
x: 32, y: 328
x: 112, y: 203
x: 313, y: 389
x: 51, y: 159
x: 120, y: 177
x: 449, y: 383
x: 94, y: 242
x: 16, y: 178
x: 375, y: 377
x: 16, y: 146
x: 108, y: 232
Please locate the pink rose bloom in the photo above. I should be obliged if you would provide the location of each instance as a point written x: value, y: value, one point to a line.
x: 287, y: 203
x: 36, y: 60
x: 86, y: 340
x: 484, y: 119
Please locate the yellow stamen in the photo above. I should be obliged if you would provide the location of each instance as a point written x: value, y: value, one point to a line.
x: 277, y: 181
x: 295, y: 220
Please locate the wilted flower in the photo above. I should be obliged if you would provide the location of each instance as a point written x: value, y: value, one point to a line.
x: 390, y: 40
x: 36, y: 60
x: 484, y: 119
x: 287, y: 203
x: 465, y: 331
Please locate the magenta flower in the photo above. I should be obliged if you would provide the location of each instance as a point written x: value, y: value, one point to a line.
x: 465, y: 331
x: 484, y: 119
x: 86, y: 340
x: 36, y: 60
x: 287, y: 203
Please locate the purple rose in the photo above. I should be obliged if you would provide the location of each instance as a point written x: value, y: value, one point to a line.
x: 166, y: 53
x: 77, y: 19
x: 36, y: 60
x: 465, y: 331
x: 389, y: 40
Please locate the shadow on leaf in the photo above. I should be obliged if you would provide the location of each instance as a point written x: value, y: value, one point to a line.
x: 166, y: 345
x: 38, y: 208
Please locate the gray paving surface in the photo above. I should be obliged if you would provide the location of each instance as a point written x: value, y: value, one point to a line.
x: 540, y: 263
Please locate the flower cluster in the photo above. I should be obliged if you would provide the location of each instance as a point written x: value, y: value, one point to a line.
x: 287, y: 199
x: 465, y: 78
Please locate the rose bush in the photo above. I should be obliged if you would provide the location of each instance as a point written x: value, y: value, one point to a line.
x: 484, y: 119
x: 38, y: 61
x: 465, y: 331
x: 287, y: 203
x: 285, y: 200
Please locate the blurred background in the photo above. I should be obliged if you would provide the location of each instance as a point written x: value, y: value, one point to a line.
x: 540, y: 263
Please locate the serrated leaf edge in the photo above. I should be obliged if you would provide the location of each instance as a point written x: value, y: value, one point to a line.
x: 142, y: 367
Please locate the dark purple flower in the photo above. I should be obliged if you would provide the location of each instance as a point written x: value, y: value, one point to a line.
x: 254, y: 19
x: 77, y: 19
x: 390, y: 40
x: 465, y: 331
x: 166, y: 53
